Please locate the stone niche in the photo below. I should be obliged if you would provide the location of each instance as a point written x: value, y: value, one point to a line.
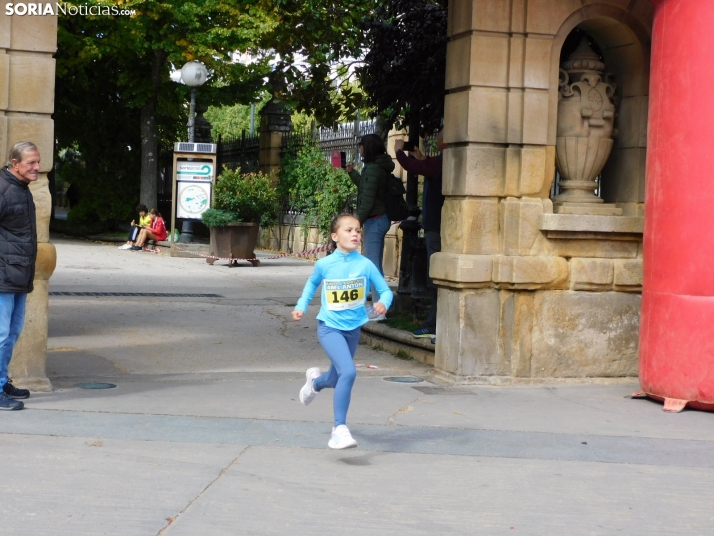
x: 624, y: 52
x: 532, y: 288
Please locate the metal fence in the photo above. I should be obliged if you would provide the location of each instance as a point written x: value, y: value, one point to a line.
x: 344, y: 137
x: 239, y: 152
x: 429, y: 144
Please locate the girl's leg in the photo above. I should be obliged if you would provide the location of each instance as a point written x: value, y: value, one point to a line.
x: 352, y: 338
x: 335, y: 344
x: 327, y: 379
x: 141, y: 239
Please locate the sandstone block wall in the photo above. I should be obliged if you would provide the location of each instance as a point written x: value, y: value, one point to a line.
x: 525, y: 293
x: 27, y: 72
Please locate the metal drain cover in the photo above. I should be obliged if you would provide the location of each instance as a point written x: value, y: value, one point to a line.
x: 95, y: 385
x: 403, y: 379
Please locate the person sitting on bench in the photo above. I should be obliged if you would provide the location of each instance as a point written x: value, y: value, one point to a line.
x: 157, y: 231
x: 144, y: 221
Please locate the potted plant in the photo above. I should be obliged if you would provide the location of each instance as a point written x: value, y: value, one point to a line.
x: 242, y: 202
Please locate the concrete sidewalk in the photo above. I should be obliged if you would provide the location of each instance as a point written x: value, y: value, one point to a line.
x: 204, y: 434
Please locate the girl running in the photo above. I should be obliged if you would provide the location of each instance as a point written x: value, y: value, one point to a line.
x: 346, y: 276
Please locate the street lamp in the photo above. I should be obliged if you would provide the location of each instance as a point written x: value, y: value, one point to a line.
x: 194, y: 75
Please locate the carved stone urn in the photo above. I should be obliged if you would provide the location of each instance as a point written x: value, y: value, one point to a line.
x: 586, y: 115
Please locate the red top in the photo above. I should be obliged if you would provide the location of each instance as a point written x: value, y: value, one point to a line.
x: 158, y: 227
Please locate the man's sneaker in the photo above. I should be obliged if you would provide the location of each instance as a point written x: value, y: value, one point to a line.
x: 125, y: 246
x: 307, y: 393
x: 13, y: 392
x: 341, y: 439
x: 433, y: 340
x: 423, y: 333
x: 9, y: 404
x: 371, y: 315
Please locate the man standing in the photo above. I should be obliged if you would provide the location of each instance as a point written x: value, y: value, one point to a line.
x: 433, y: 201
x: 18, y: 249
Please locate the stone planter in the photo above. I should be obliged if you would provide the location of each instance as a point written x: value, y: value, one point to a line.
x: 234, y: 242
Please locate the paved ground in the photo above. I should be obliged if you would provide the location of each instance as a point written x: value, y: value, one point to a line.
x: 204, y: 435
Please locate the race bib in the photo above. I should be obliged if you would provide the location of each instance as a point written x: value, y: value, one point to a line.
x: 344, y: 294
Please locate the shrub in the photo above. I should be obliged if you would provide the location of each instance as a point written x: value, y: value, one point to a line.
x: 309, y: 184
x: 243, y: 197
x: 214, y: 217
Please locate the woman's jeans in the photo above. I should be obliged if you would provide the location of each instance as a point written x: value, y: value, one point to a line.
x: 374, y: 231
x: 433, y: 245
x: 133, y: 234
x: 340, y: 346
x: 12, y: 317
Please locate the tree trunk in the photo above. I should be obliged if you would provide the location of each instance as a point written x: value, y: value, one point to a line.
x: 149, y: 138
x: 149, y: 147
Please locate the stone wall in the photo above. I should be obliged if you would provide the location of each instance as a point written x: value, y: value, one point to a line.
x: 27, y: 81
x: 526, y: 293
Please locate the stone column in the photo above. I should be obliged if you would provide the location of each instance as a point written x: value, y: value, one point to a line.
x: 678, y: 294
x: 27, y: 81
x: 274, y: 121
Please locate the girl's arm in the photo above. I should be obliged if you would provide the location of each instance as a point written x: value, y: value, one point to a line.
x: 380, y: 285
x: 310, y: 287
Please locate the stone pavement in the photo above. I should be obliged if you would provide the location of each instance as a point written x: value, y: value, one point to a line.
x: 204, y: 433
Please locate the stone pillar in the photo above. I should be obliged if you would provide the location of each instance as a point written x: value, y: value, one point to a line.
x: 526, y: 294
x: 274, y: 121
x: 678, y: 297
x: 27, y: 81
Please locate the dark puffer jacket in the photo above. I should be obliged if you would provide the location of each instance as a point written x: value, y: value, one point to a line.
x: 18, y: 234
x: 372, y: 187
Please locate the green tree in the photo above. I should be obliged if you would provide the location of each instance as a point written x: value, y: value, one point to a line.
x: 232, y: 120
x: 404, y: 70
x: 309, y: 184
x: 316, y: 44
x: 395, y: 49
x: 137, y: 55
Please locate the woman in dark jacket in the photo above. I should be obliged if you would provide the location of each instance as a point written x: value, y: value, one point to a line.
x: 371, y: 192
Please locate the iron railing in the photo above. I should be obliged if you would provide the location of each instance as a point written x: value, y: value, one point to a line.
x: 238, y: 152
x: 345, y: 138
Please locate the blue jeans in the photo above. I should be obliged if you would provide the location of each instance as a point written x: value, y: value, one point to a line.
x: 340, y: 346
x: 12, y: 317
x: 374, y: 231
x: 433, y: 245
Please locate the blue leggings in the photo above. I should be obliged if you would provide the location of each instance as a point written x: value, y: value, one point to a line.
x: 340, y: 346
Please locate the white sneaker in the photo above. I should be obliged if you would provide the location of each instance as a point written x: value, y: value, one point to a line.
x: 307, y: 393
x: 371, y: 315
x: 125, y: 246
x: 341, y: 438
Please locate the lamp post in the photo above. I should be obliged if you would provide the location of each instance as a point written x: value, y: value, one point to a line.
x: 194, y: 75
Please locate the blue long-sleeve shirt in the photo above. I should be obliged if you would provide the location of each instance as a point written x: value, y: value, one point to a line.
x: 346, y: 279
